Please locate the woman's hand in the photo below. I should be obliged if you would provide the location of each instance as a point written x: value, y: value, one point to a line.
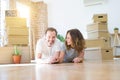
x: 78, y: 60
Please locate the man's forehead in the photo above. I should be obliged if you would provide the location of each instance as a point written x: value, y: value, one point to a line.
x: 51, y: 32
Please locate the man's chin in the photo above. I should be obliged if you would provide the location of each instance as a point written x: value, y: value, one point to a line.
x: 50, y: 44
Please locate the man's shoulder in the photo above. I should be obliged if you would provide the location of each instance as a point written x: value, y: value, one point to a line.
x: 41, y: 40
x: 58, y: 42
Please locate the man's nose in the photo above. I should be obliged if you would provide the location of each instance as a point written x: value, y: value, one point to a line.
x: 51, y: 39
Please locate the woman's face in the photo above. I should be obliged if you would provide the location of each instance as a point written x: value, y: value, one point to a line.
x: 69, y: 39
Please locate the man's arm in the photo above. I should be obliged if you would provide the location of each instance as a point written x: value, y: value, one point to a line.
x: 55, y: 58
x: 58, y: 57
x: 61, y: 57
x: 39, y: 59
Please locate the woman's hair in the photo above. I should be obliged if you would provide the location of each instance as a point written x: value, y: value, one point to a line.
x: 51, y: 29
x: 77, y: 40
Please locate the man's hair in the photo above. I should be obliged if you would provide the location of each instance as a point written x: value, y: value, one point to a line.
x: 51, y: 29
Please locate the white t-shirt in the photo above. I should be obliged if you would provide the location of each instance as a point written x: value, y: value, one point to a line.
x: 47, y: 52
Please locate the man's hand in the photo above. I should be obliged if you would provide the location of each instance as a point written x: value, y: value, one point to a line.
x: 54, y: 60
x: 39, y: 55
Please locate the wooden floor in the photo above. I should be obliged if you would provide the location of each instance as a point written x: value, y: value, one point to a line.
x: 89, y: 70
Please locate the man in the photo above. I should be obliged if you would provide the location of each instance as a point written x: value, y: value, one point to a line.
x: 48, y: 48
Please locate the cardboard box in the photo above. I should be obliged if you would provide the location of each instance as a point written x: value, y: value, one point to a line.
x: 100, y: 18
x: 98, y: 34
x: 18, y: 40
x: 97, y: 26
x: 7, y: 52
x: 116, y: 50
x: 18, y: 31
x: 104, y: 43
x: 11, y: 13
x: 97, y: 53
x: 15, y: 22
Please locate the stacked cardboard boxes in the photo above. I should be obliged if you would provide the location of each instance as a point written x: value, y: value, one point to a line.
x: 97, y: 30
x: 17, y: 31
x: 99, y: 27
x: 98, y: 53
x: 98, y: 42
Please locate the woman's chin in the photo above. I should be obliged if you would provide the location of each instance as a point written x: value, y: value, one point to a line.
x: 68, y: 44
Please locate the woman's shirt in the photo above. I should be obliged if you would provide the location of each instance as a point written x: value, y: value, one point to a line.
x: 69, y: 54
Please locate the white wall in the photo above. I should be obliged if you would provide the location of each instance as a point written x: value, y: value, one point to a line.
x: 66, y: 14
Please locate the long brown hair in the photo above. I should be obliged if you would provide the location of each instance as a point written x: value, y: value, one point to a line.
x: 77, y: 40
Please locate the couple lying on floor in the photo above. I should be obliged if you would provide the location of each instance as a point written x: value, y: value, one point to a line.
x: 50, y: 50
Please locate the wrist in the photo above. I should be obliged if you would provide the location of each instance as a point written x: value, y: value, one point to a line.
x: 80, y: 59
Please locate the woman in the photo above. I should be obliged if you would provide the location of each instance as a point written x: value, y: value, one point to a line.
x: 74, y: 46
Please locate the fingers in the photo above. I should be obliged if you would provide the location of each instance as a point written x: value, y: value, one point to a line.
x: 77, y: 60
x: 54, y: 60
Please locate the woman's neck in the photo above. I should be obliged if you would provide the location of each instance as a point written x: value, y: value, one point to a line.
x: 72, y: 46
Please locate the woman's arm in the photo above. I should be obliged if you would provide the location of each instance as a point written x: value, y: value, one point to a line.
x: 80, y: 57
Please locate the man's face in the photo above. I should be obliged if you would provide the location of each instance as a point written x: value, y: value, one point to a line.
x: 50, y: 37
